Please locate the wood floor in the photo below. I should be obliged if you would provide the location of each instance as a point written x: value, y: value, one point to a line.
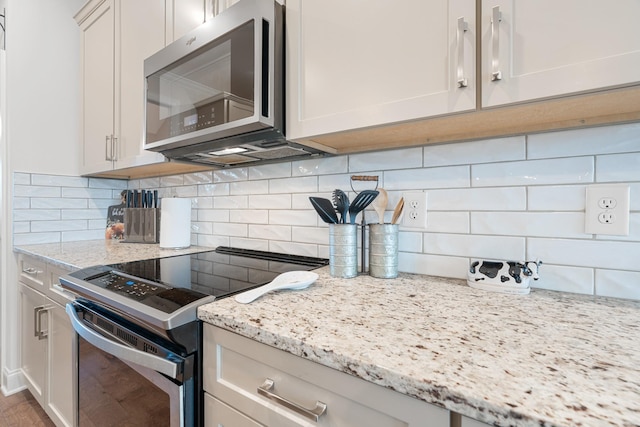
x: 22, y: 410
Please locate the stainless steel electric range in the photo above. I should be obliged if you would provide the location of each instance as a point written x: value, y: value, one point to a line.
x: 138, y: 338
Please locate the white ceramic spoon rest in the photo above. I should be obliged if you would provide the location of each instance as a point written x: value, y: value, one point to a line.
x: 289, y: 280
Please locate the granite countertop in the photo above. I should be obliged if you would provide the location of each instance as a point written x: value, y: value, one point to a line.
x: 75, y: 255
x: 544, y: 359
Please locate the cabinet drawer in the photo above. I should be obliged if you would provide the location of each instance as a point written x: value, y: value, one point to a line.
x: 32, y: 272
x: 220, y: 415
x: 234, y: 367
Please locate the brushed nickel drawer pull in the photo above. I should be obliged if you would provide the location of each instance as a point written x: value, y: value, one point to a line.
x: 31, y: 271
x: 313, y: 414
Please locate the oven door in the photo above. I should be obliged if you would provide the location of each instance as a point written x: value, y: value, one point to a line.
x: 118, y: 384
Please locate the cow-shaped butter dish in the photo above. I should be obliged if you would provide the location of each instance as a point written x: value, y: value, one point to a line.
x: 509, y: 277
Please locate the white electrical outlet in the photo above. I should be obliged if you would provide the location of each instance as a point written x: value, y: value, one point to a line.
x: 607, y: 209
x: 415, y: 209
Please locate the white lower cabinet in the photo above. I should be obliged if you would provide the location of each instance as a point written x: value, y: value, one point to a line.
x: 235, y: 367
x: 46, y: 342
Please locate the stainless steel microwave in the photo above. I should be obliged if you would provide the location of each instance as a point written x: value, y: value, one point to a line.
x: 216, y: 95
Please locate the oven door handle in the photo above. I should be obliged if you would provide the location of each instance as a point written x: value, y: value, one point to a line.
x: 170, y: 368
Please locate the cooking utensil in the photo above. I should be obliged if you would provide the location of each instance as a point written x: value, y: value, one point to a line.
x: 341, y: 202
x: 290, y: 280
x: 325, y: 209
x: 380, y: 204
x: 397, y: 212
x: 362, y: 200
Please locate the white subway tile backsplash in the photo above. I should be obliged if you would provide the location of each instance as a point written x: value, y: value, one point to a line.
x: 231, y: 175
x: 448, y: 222
x: 409, y: 241
x: 472, y: 246
x: 467, y: 153
x: 229, y: 229
x: 486, y: 199
x: 249, y: 187
x: 276, y: 170
x: 293, y: 217
x: 585, y: 253
x: 270, y: 232
x: 573, y: 170
x: 315, y: 235
x: 249, y: 216
x: 59, y: 181
x: 320, y: 166
x: 420, y: 179
x: 618, y: 167
x: 620, y: 284
x: 36, y: 214
x: 304, y: 184
x: 478, y: 199
x: 534, y: 224
x: 274, y: 201
x: 20, y: 178
x: 563, y: 278
x: 434, y: 265
x: 213, y: 215
x: 407, y: 158
x: 602, y: 140
x: 57, y: 203
x: 36, y: 191
x: 231, y: 202
x: 557, y: 198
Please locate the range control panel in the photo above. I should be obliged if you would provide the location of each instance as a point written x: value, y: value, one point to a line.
x: 127, y: 286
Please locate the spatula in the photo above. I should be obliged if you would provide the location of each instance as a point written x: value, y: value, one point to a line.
x: 325, y: 209
x: 397, y: 212
x: 290, y: 280
x: 380, y: 204
x: 362, y: 200
x: 341, y: 202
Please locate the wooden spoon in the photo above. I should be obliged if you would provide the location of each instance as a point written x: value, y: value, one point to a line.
x: 397, y: 212
x: 380, y: 204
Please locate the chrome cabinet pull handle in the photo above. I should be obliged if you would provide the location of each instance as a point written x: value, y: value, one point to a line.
x: 313, y: 414
x: 31, y: 271
x: 496, y: 17
x: 107, y: 144
x: 37, y: 321
x: 463, y: 27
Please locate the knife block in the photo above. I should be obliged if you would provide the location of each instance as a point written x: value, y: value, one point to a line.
x: 141, y: 225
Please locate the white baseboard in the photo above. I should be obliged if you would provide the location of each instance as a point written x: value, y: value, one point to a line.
x: 12, y: 381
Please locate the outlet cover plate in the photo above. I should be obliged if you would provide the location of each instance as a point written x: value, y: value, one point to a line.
x: 607, y: 209
x: 415, y: 210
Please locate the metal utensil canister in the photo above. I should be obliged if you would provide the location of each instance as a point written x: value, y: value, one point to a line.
x: 383, y: 250
x: 343, y: 250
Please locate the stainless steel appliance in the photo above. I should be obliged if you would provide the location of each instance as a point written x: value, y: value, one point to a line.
x: 138, y: 337
x: 216, y: 95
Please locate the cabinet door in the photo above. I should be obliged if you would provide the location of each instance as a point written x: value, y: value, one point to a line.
x: 33, y: 347
x: 183, y: 16
x: 98, y: 77
x: 141, y: 34
x: 351, y: 67
x: 545, y: 48
x: 61, y: 365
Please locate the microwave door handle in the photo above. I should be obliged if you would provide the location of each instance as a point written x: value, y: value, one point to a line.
x: 121, y: 351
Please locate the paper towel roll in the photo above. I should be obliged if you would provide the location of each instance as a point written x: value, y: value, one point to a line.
x: 175, y: 223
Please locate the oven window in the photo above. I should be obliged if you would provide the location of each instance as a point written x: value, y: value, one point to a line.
x: 211, y: 86
x: 112, y: 393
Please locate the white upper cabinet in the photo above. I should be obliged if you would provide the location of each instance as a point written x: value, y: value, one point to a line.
x: 183, y: 16
x: 353, y: 65
x: 533, y: 49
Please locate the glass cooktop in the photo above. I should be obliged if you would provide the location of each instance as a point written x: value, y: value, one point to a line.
x: 168, y: 284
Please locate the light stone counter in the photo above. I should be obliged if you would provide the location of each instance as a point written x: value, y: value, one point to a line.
x: 544, y: 359
x: 75, y: 255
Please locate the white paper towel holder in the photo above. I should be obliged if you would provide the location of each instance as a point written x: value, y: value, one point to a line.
x: 175, y: 223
